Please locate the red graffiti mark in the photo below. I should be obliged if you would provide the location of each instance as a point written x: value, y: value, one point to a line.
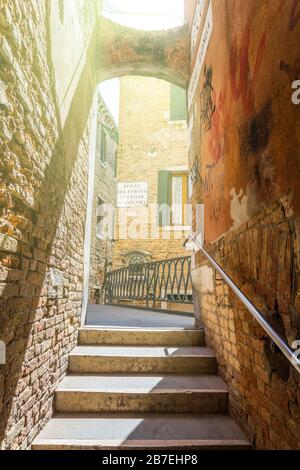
x: 243, y: 83
x: 217, y: 140
x: 294, y: 16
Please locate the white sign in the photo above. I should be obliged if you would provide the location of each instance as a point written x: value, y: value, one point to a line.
x: 204, y: 42
x: 132, y: 194
x: 196, y: 24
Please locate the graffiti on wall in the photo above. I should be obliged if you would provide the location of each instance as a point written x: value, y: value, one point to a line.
x: 217, y: 139
x: 244, y: 74
x: 212, y: 116
x: 207, y: 105
x: 212, y: 179
x: 195, y: 173
x: 215, y: 208
x: 207, y: 179
x: 213, y: 127
x: 239, y: 100
x: 243, y: 79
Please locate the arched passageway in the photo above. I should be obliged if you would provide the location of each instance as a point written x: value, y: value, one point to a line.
x: 123, y: 51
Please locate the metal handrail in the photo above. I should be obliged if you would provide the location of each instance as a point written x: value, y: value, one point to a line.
x: 278, y: 340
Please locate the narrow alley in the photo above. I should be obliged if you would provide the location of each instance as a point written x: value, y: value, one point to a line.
x: 149, y: 225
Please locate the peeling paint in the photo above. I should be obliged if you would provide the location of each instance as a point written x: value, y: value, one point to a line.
x: 238, y: 208
x: 203, y: 279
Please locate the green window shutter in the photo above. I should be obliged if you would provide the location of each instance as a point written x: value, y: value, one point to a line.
x: 178, y: 105
x: 163, y: 198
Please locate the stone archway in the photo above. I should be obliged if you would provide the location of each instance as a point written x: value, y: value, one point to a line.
x: 114, y: 51
x: 120, y: 51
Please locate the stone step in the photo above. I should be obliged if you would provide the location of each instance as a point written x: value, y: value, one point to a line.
x: 142, y: 360
x: 141, y: 336
x: 139, y: 431
x: 155, y: 394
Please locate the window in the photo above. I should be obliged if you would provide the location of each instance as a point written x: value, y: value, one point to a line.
x: 134, y: 257
x: 163, y: 198
x: 103, y: 148
x: 178, y: 108
x: 135, y: 264
x: 173, y: 198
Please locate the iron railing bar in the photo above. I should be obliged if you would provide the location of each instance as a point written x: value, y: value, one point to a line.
x: 151, y: 263
x: 155, y: 281
x: 278, y: 340
x: 165, y: 278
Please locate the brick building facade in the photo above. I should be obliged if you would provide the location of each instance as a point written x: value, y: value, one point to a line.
x: 105, y: 199
x: 152, y: 156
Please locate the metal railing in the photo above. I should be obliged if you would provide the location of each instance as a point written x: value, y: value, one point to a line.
x: 158, y: 281
x: 278, y: 340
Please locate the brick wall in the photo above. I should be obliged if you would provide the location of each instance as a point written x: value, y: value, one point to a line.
x: 264, y: 389
x: 125, y: 51
x: 149, y: 142
x: 42, y: 216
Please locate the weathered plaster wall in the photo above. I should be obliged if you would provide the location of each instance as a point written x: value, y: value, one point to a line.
x: 43, y: 194
x: 246, y: 142
x: 244, y: 160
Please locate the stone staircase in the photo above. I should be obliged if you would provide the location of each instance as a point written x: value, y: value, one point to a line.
x: 141, y: 389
